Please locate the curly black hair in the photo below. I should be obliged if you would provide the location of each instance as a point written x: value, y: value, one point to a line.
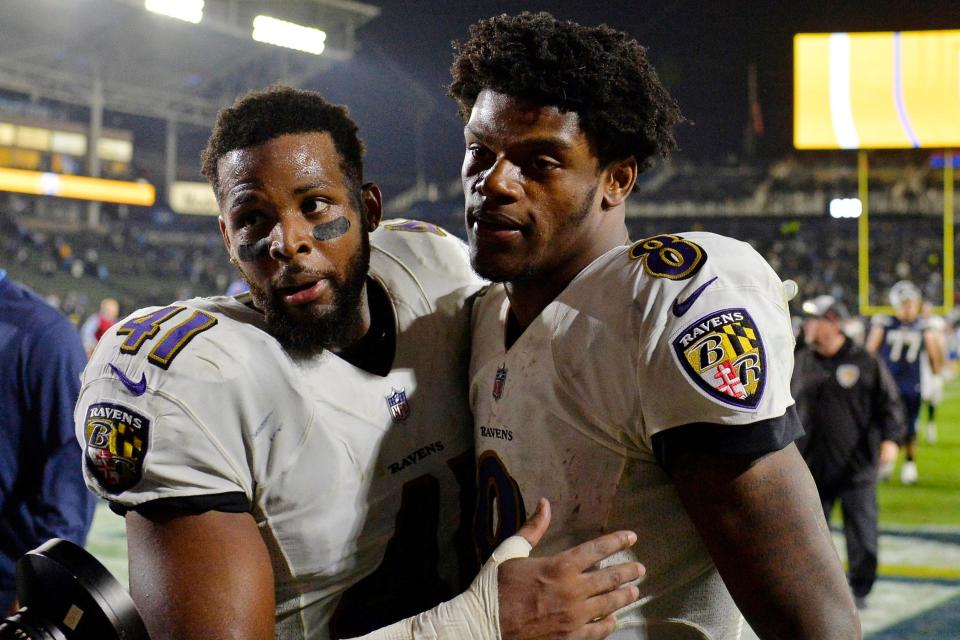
x: 260, y: 116
x: 601, y: 74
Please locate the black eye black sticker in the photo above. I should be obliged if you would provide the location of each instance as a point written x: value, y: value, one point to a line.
x: 324, y: 231
x: 331, y: 230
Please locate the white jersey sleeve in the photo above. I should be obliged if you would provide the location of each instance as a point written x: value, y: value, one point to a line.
x: 716, y: 347
x: 439, y: 258
x: 168, y: 406
x: 690, y: 328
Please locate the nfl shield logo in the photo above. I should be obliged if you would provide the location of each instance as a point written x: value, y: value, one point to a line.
x: 499, y: 381
x: 397, y: 402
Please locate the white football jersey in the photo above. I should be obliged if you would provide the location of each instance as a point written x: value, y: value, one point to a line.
x: 343, y: 470
x: 670, y: 331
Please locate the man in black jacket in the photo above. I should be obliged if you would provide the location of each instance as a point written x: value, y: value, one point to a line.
x: 852, y: 413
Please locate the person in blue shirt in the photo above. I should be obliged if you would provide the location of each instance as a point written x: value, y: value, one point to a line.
x: 42, y: 493
x: 902, y: 341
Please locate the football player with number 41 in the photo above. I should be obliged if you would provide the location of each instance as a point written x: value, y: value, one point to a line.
x: 290, y: 464
x: 636, y: 385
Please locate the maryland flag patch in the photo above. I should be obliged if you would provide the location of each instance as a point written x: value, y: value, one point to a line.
x: 115, y: 439
x: 722, y: 353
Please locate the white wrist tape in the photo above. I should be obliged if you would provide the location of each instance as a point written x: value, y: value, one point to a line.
x: 473, y: 615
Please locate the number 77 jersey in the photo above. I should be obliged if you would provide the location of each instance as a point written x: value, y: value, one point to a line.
x: 903, y: 349
x: 673, y: 331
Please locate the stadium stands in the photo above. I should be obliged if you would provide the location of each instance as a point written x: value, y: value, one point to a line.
x: 152, y: 256
x: 781, y: 210
x: 149, y: 256
x: 133, y: 259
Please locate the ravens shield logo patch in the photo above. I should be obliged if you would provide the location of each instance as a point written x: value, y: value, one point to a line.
x: 723, y: 355
x: 115, y: 442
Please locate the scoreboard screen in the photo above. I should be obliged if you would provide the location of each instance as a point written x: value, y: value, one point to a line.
x: 884, y: 90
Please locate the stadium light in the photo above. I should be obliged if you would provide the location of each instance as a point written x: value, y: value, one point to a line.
x: 43, y: 183
x: 846, y: 208
x: 288, y: 34
x: 187, y: 10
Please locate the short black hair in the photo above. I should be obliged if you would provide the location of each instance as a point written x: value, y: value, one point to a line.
x: 261, y: 116
x: 601, y: 74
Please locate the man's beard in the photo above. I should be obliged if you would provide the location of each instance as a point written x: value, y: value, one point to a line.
x: 335, y: 326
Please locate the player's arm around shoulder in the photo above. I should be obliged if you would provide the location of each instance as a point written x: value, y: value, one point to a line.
x: 438, y: 259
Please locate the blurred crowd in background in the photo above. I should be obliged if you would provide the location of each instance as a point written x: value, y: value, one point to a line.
x: 142, y: 256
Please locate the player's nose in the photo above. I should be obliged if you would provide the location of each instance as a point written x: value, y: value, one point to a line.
x: 291, y: 235
x: 500, y: 180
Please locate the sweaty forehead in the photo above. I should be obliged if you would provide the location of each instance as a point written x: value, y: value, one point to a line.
x: 290, y: 158
x: 498, y: 113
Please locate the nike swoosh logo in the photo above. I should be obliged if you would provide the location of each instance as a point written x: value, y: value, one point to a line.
x: 679, y: 308
x: 136, y: 388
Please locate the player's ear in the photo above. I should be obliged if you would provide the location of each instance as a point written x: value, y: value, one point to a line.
x: 372, y: 202
x: 223, y: 232
x: 618, y: 180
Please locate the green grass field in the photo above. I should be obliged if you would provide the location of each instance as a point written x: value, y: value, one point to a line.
x: 935, y: 499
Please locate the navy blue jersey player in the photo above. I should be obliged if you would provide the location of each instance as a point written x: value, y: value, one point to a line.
x: 903, y: 341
